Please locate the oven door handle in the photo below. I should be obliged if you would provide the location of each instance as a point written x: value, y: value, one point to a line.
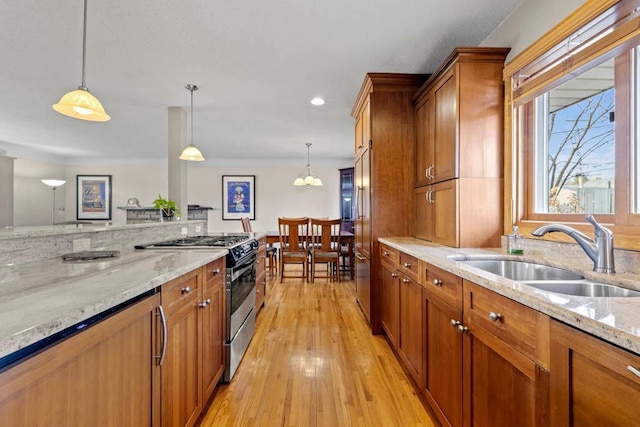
x: 239, y: 271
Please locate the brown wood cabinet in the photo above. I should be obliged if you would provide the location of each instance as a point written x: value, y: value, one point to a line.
x: 384, y: 147
x: 411, y: 345
x: 459, y: 134
x: 593, y: 383
x: 390, y: 303
x: 105, y: 375
x: 194, y: 360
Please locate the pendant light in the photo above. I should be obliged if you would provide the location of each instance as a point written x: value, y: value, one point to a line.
x: 79, y: 103
x: 191, y: 153
x: 308, y: 178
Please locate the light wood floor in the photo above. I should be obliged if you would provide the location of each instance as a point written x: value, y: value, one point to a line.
x: 314, y: 362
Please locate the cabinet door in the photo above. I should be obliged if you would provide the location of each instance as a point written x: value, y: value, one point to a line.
x: 411, y: 322
x: 445, y: 133
x: 363, y: 203
x: 423, y: 215
x: 363, y: 130
x: 212, y: 316
x: 502, y: 387
x: 443, y: 375
x: 424, y: 143
x: 181, y: 386
x: 593, y: 383
x: 444, y: 213
x: 390, y: 303
x: 102, y: 376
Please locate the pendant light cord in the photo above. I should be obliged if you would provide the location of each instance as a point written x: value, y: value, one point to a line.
x: 192, y: 89
x: 84, y: 46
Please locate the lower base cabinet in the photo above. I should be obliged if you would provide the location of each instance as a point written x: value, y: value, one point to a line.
x: 593, y: 383
x: 106, y: 375
x: 411, y: 339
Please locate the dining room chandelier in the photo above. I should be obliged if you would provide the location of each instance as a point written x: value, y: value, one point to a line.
x: 308, y: 178
x: 80, y: 103
x: 191, y: 153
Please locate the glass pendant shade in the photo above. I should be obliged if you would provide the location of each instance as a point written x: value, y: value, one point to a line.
x: 308, y: 178
x: 192, y: 154
x: 80, y: 104
x: 53, y: 182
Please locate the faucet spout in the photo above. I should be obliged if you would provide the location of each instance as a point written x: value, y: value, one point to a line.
x: 599, y: 249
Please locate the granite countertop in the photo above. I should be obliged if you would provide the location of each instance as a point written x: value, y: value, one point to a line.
x: 41, y: 298
x: 616, y: 320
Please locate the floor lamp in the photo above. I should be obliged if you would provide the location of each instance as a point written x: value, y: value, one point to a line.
x: 53, y: 183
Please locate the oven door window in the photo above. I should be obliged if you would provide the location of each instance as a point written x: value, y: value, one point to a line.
x: 243, y: 282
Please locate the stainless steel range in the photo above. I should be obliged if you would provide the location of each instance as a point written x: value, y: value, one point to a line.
x: 240, y: 284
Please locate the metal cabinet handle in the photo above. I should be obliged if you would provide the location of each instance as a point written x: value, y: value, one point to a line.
x: 357, y: 201
x: 205, y: 303
x: 407, y: 264
x: 462, y: 329
x: 429, y: 174
x: 455, y: 323
x: 495, y: 316
x: 437, y: 282
x: 430, y: 197
x: 406, y: 280
x: 217, y: 271
x: 163, y: 319
x: 385, y: 253
x: 186, y: 290
x: 360, y: 257
x: 634, y: 370
x: 394, y: 274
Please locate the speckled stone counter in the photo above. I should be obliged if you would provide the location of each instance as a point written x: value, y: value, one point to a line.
x: 616, y: 320
x: 41, y: 298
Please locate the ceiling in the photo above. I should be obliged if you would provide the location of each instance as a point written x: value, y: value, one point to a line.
x: 258, y: 64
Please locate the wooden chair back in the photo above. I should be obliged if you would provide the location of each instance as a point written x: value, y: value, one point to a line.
x: 325, y: 234
x: 294, y: 234
x: 246, y: 225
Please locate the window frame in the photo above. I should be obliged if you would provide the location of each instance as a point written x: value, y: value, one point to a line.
x: 615, y: 29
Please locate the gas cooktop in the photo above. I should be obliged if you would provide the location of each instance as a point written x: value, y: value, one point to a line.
x: 198, y: 242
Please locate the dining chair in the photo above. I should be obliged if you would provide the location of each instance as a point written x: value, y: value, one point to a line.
x: 272, y: 251
x: 294, y: 236
x: 325, y: 247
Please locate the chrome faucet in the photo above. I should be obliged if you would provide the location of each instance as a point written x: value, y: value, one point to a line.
x: 599, y: 249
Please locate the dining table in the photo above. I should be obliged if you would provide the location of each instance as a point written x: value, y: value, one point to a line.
x: 346, y: 238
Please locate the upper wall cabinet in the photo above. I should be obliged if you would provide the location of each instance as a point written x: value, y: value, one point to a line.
x: 459, y: 117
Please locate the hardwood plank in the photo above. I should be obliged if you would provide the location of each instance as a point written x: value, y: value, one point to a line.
x: 314, y: 362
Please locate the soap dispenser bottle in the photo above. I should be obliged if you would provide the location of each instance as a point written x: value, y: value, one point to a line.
x: 515, y: 242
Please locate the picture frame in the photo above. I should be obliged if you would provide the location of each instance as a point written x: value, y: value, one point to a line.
x: 238, y: 197
x: 93, y: 197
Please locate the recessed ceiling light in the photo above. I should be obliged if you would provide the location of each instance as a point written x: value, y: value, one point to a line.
x: 317, y: 101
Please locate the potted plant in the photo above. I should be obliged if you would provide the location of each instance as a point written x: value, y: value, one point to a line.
x: 167, y: 207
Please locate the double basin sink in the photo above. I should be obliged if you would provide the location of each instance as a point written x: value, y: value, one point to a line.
x: 546, y: 278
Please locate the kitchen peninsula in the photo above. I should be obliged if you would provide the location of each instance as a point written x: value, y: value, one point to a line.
x: 75, y: 331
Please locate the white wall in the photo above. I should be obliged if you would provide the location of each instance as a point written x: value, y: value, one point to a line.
x: 531, y: 20
x: 275, y: 194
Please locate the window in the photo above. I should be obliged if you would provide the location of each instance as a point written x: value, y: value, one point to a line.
x: 574, y: 124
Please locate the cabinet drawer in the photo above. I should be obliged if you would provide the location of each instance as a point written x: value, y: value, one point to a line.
x: 508, y: 320
x: 446, y: 286
x: 261, y: 261
x: 388, y: 255
x: 181, y: 291
x: 409, y: 265
x: 213, y: 273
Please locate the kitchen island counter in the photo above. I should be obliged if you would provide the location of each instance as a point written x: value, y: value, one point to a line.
x: 39, y: 299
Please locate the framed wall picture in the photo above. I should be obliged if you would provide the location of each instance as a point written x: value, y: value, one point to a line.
x: 93, y: 197
x: 238, y: 196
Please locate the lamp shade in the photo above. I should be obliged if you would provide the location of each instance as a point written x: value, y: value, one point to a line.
x: 53, y: 182
x: 191, y: 153
x: 80, y: 104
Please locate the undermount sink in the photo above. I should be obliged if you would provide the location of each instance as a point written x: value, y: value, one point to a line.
x: 582, y: 288
x: 522, y: 270
x: 547, y: 278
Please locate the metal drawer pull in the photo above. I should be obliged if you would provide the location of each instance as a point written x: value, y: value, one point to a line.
x: 495, y: 316
x: 437, y: 282
x: 405, y: 280
x: 186, y: 290
x: 462, y: 329
x: 205, y: 303
x: 163, y: 352
x: 407, y: 264
x: 217, y: 270
x: 634, y: 370
x: 386, y: 253
x: 394, y: 274
x: 455, y: 323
